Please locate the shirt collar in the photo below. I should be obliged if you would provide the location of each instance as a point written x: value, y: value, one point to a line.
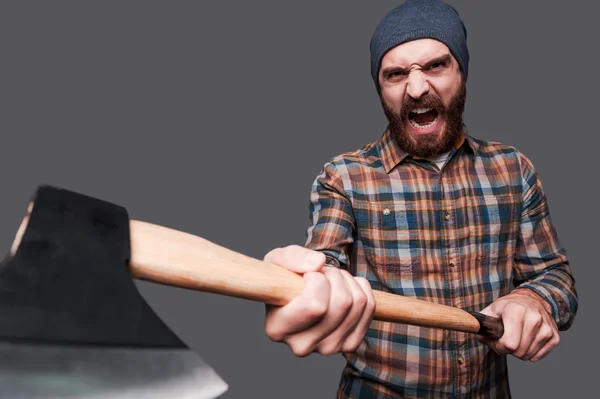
x: 392, y: 154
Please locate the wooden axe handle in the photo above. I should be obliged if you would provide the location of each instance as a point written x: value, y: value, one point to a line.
x: 175, y: 258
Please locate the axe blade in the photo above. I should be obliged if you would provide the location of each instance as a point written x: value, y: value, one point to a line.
x: 72, y: 322
x: 33, y: 371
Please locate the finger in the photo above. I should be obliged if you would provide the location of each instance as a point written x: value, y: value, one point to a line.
x: 513, y: 317
x: 354, y: 339
x: 297, y: 259
x: 532, y: 323
x: 302, y: 312
x: 333, y: 342
x: 340, y: 303
x: 547, y: 339
x: 551, y: 344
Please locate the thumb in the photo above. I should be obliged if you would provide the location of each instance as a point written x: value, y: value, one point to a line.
x: 494, y: 310
x: 297, y: 259
x: 489, y: 311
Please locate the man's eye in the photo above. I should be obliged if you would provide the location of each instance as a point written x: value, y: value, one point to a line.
x: 395, y: 74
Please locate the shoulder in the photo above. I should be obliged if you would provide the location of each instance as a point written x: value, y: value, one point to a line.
x: 347, y: 163
x: 365, y: 156
x: 495, y: 149
x: 345, y: 169
x: 498, y: 152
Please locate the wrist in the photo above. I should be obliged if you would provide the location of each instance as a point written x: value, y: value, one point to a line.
x: 535, y: 296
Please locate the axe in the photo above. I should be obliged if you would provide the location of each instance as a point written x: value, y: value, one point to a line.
x: 69, y: 306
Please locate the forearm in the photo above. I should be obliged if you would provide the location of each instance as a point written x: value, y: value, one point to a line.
x: 332, y: 221
x: 541, y: 263
x: 556, y: 287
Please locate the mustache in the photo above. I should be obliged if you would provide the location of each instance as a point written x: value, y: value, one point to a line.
x: 427, y: 101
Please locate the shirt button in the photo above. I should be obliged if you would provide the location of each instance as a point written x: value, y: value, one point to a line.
x: 460, y: 360
x: 447, y: 215
x: 386, y: 211
x: 452, y: 263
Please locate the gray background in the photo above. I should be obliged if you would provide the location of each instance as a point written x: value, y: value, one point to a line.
x: 214, y: 117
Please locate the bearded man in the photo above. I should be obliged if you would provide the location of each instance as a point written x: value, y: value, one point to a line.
x: 428, y: 211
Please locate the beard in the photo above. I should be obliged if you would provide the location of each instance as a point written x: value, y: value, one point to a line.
x: 428, y: 145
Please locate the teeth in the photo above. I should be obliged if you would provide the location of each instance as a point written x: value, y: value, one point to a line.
x: 416, y: 125
x: 421, y: 110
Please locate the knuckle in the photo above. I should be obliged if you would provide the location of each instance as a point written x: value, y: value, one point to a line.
x: 361, y: 301
x: 516, y: 307
x: 329, y: 348
x: 370, y: 304
x: 520, y: 353
x: 292, y: 247
x: 315, y: 309
x: 351, y: 345
x: 553, y: 340
x: 274, y: 334
x: 546, y: 333
x: 301, y: 349
x: 343, y: 301
x: 344, y: 272
x: 299, y: 353
x: 331, y: 270
x: 509, y: 346
x: 520, y: 308
x: 536, y: 319
x: 272, y: 255
x: 283, y: 255
x: 289, y: 253
x: 324, y: 351
x: 363, y: 282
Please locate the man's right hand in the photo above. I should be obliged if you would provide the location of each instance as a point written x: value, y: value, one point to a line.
x: 331, y: 314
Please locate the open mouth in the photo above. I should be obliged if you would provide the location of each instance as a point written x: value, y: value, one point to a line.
x: 423, y: 118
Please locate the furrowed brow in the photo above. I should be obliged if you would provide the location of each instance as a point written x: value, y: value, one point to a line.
x: 393, y: 69
x: 444, y: 59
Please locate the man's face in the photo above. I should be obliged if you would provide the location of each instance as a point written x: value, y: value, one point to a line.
x: 423, y: 96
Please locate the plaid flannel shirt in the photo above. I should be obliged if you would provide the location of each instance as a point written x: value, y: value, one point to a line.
x: 461, y: 236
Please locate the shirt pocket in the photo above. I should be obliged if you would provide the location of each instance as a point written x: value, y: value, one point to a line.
x: 389, y: 234
x: 492, y: 226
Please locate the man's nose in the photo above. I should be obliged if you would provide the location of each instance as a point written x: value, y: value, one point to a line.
x: 417, y: 85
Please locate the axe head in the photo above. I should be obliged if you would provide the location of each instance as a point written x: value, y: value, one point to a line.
x: 72, y: 322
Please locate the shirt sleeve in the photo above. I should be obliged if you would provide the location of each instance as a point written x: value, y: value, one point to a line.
x: 541, y: 263
x: 332, y: 220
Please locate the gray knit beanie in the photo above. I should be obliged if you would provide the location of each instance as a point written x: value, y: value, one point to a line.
x: 420, y: 19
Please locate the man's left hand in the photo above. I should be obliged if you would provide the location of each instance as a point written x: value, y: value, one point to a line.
x: 530, y: 332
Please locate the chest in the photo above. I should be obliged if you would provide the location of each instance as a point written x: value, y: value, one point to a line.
x: 417, y: 214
